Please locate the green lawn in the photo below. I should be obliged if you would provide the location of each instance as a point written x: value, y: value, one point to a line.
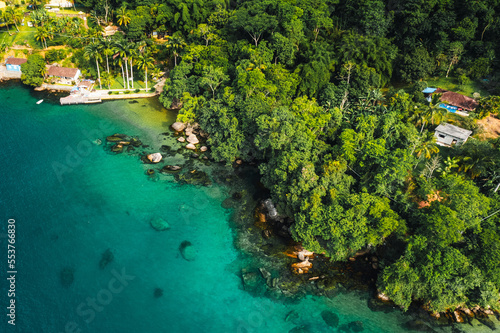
x: 138, y: 84
x: 452, y: 85
x: 26, y: 35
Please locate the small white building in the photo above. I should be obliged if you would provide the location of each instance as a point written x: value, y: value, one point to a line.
x: 449, y: 135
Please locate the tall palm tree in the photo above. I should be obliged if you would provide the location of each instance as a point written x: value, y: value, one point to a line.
x: 144, y: 61
x: 133, y: 52
x: 175, y: 43
x: 107, y: 50
x: 119, y: 49
x: 123, y: 16
x: 92, y: 50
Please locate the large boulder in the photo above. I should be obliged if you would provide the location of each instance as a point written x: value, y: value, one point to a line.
x: 193, y: 139
x: 181, y: 139
x: 203, y: 149
x: 178, y: 126
x: 159, y: 224
x: 155, y: 157
x: 187, y: 250
x: 190, y: 146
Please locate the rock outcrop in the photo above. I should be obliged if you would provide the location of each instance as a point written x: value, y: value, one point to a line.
x: 154, y: 158
x: 178, y: 126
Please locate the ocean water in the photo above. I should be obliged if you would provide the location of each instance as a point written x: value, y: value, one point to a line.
x: 72, y: 200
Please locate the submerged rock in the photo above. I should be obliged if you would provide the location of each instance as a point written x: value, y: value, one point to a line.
x: 178, y: 126
x: 265, y: 273
x: 159, y: 224
x: 194, y: 177
x: 356, y: 326
x: 187, y: 250
x: 330, y: 318
x: 135, y: 142
x: 250, y: 279
x: 292, y: 316
x: 150, y: 172
x: 106, y: 257
x: 487, y: 322
x: 117, y: 148
x: 417, y: 325
x: 165, y: 148
x: 158, y: 292
x: 116, y: 137
x: 170, y: 168
x: 67, y: 276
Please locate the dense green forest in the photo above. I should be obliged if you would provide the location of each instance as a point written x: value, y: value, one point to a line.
x: 325, y: 96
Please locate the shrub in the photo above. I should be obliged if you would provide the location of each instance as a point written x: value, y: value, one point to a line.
x: 110, y: 92
x: 137, y: 90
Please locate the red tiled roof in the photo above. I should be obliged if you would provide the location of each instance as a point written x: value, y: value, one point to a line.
x: 457, y: 99
x: 62, y: 71
x: 15, y: 61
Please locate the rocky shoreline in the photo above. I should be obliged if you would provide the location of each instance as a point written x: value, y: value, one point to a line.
x: 280, y: 268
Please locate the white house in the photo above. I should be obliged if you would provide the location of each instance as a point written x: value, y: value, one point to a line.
x: 65, y: 74
x: 449, y: 135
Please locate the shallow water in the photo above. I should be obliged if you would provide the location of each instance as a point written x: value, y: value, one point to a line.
x: 72, y: 201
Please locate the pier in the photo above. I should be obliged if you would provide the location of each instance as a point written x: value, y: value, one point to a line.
x: 81, y: 99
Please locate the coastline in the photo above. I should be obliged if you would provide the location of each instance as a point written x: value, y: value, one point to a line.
x: 150, y: 123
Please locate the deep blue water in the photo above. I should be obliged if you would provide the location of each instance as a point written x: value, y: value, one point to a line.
x: 71, y: 201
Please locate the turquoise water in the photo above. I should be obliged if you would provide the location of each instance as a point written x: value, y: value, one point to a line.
x: 72, y: 201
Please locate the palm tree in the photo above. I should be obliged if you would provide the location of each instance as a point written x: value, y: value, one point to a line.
x: 14, y: 16
x: 6, y: 18
x: 41, y: 35
x: 123, y: 16
x: 143, y: 62
x: 426, y: 146
x: 156, y: 73
x: 429, y: 113
x: 92, y: 50
x: 107, y: 50
x: 119, y: 48
x: 132, y: 50
x: 175, y: 43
